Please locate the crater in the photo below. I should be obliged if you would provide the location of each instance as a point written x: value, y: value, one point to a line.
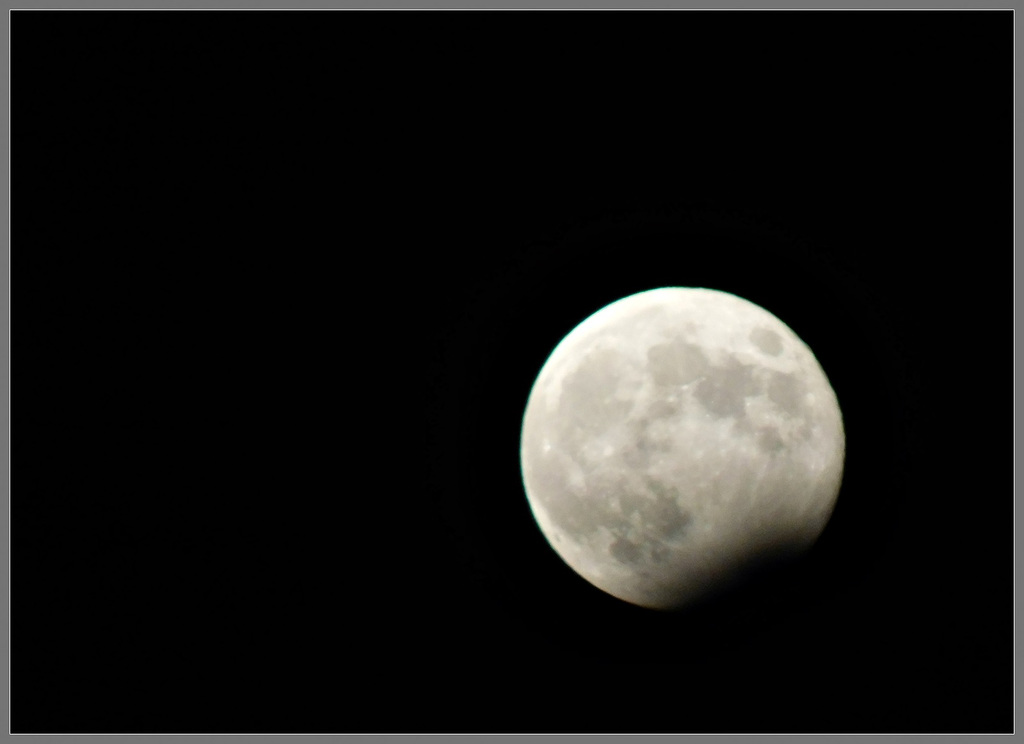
x: 625, y: 551
x: 676, y: 363
x: 770, y: 440
x: 636, y: 457
x: 662, y: 409
x: 786, y: 392
x: 588, y: 394
x: 576, y: 510
x: 651, y: 433
x: 649, y: 442
x: 668, y: 519
x: 767, y: 340
x: 662, y: 513
x: 724, y: 391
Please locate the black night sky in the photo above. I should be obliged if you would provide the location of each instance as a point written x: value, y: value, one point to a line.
x: 291, y: 279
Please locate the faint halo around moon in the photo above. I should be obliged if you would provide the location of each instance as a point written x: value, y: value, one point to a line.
x: 674, y: 438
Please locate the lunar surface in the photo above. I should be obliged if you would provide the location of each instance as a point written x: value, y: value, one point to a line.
x: 675, y: 438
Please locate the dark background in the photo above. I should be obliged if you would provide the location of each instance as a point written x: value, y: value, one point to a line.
x: 286, y: 281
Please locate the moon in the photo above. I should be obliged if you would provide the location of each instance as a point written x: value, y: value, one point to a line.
x: 674, y: 439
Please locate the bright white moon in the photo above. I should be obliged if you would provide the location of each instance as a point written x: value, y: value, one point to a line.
x: 674, y: 438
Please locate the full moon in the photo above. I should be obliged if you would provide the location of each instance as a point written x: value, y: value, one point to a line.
x: 674, y: 440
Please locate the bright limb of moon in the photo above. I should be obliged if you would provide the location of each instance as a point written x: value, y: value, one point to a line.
x: 674, y: 438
